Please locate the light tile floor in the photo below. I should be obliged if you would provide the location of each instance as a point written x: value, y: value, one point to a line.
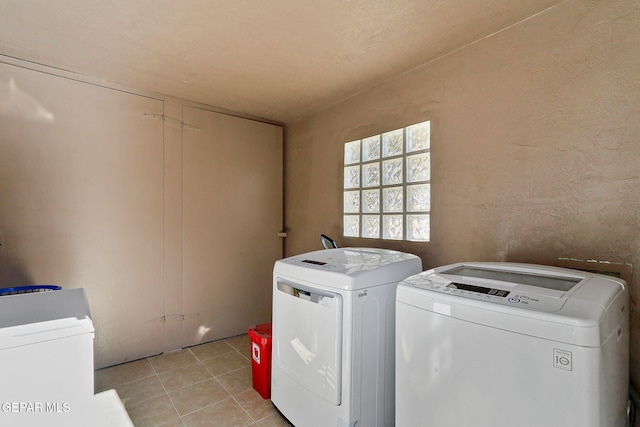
x: 205, y: 385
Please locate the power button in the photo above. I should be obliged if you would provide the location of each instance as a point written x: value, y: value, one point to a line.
x: 512, y: 299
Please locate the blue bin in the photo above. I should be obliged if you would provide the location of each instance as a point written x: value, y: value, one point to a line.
x: 28, y: 289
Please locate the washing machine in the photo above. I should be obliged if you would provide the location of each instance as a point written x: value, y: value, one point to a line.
x: 503, y: 345
x: 333, y: 336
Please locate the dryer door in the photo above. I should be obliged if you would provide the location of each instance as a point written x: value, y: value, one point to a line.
x: 307, y: 337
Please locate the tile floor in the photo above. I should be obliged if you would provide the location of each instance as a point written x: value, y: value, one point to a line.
x: 205, y: 385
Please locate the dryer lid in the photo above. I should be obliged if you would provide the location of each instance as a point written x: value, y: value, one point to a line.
x: 350, y: 268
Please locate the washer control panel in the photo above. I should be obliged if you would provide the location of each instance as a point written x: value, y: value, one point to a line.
x: 478, y: 290
x: 515, y: 296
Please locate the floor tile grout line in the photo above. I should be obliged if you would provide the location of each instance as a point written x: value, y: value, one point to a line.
x: 243, y: 408
x: 205, y: 407
x: 164, y: 388
x: 224, y: 354
x: 175, y: 367
x: 255, y: 420
x: 152, y: 397
x: 231, y: 395
x: 171, y: 400
x: 228, y: 372
x: 154, y: 369
x: 168, y: 392
x: 241, y: 350
x: 119, y: 365
x: 217, y: 355
x: 157, y: 375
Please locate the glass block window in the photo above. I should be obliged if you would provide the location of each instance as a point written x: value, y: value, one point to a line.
x: 387, y: 185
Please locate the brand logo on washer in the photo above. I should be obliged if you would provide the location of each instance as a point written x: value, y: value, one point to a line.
x: 562, y: 359
x: 362, y: 294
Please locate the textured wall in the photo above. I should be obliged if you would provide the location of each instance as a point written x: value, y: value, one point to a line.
x: 535, y: 145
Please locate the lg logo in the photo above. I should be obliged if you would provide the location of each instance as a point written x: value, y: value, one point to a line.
x: 562, y: 359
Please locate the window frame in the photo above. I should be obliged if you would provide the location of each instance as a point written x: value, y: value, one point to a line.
x: 359, y: 167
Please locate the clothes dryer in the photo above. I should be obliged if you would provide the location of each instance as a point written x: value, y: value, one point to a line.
x: 503, y: 345
x: 333, y: 336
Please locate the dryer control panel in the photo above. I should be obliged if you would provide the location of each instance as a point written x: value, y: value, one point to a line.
x: 311, y: 263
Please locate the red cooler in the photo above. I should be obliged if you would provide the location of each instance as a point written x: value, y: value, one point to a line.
x: 260, y: 336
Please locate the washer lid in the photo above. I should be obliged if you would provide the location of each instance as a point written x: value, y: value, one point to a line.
x: 350, y: 268
x: 564, y: 305
x: 30, y: 318
x: 510, y: 274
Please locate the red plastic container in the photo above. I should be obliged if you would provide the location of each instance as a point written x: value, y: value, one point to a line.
x: 260, y: 336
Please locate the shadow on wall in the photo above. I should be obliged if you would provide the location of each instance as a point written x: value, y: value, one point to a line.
x: 13, y: 273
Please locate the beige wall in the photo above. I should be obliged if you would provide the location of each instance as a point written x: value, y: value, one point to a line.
x: 81, y: 197
x: 98, y: 191
x: 535, y: 145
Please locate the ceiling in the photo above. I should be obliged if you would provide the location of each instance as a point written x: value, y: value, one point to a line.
x: 278, y: 60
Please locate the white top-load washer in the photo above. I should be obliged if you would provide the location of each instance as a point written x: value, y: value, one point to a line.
x: 333, y: 336
x: 503, y: 345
